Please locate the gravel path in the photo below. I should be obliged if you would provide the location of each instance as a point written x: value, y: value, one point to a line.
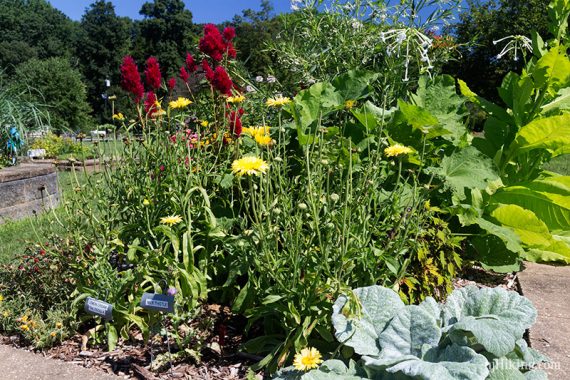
x: 548, y: 287
x: 23, y: 365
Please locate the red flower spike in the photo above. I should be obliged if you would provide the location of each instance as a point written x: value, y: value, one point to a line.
x: 190, y: 63
x: 150, y: 103
x: 171, y: 84
x: 152, y: 74
x: 184, y: 74
x: 229, y: 33
x: 222, y: 81
x: 131, y: 78
x: 212, y: 43
x: 231, y: 51
x: 208, y: 70
x: 235, y: 122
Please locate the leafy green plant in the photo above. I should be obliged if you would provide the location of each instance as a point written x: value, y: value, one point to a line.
x: 56, y: 146
x: 521, y: 209
x: 475, y: 334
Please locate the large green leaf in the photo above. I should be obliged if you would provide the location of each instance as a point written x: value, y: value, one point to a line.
x: 467, y: 168
x: 552, y: 71
x: 359, y: 325
x: 409, y: 332
x: 494, y: 318
x: 560, y: 103
x: 492, y: 253
x: 450, y: 363
x: 330, y: 369
x: 551, y: 133
x: 531, y: 230
x: 548, y: 198
x: 354, y: 84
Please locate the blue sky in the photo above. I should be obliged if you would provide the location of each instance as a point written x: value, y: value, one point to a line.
x: 214, y: 11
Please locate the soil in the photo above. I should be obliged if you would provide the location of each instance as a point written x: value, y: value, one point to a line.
x: 218, y: 361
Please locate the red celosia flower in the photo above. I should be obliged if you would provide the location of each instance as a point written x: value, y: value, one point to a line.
x: 131, y: 78
x: 231, y: 50
x: 235, y: 122
x: 208, y: 70
x: 229, y: 33
x: 184, y: 74
x: 152, y: 73
x: 212, y: 43
x: 171, y: 84
x: 150, y: 103
x: 222, y: 81
x: 190, y: 63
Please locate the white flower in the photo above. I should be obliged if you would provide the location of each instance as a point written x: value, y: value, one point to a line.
x: 259, y: 79
x: 271, y: 79
x: 356, y: 24
x: 250, y: 89
x: 515, y: 43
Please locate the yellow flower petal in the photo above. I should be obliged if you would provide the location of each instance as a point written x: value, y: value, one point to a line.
x: 249, y: 166
x: 309, y: 358
x: 171, y: 220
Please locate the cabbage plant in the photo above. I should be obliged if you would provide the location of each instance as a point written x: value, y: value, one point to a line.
x: 476, y: 334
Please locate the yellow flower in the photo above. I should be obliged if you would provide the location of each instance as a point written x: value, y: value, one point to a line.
x: 235, y: 99
x: 171, y: 220
x: 24, y: 328
x: 397, y: 150
x: 180, y: 103
x: 1, y: 298
x: 204, y: 123
x: 349, y: 104
x: 118, y: 116
x: 157, y: 113
x: 259, y: 134
x: 58, y: 325
x: 308, y: 358
x: 24, y: 319
x: 53, y: 334
x: 250, y: 166
x: 6, y: 314
x: 277, y: 102
x: 146, y: 202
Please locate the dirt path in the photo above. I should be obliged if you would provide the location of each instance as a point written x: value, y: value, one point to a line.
x: 22, y: 365
x: 548, y: 287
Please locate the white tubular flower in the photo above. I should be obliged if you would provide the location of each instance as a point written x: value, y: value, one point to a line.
x: 514, y: 44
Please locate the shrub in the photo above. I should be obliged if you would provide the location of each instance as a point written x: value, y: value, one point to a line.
x: 56, y: 146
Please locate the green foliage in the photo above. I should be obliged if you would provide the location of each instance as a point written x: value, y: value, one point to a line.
x: 165, y: 32
x: 58, y: 87
x: 33, y: 29
x: 103, y: 39
x: 473, y: 330
x: 56, y: 146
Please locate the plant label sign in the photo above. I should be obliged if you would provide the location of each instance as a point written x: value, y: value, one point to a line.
x: 97, y: 307
x: 158, y: 302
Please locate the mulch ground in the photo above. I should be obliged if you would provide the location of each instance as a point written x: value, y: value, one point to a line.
x: 218, y: 361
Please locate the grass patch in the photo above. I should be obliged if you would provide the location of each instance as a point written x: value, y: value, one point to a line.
x: 16, y: 235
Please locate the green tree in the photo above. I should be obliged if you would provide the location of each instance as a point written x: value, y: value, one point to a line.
x: 33, y: 29
x: 480, y: 25
x: 254, y: 29
x: 166, y: 32
x: 104, y: 38
x: 58, y: 86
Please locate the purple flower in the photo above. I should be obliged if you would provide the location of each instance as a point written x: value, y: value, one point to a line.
x: 171, y: 291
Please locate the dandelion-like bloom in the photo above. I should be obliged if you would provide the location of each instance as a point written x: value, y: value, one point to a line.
x: 58, y: 325
x: 204, y: 123
x: 146, y: 202
x: 24, y: 328
x: 309, y: 358
x: 249, y: 166
x: 179, y: 103
x: 131, y: 78
x: 349, y: 104
x: 278, y: 101
x: 259, y: 134
x: 397, y: 150
x: 119, y: 117
x: 152, y: 74
x: 171, y: 220
x: 235, y: 99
